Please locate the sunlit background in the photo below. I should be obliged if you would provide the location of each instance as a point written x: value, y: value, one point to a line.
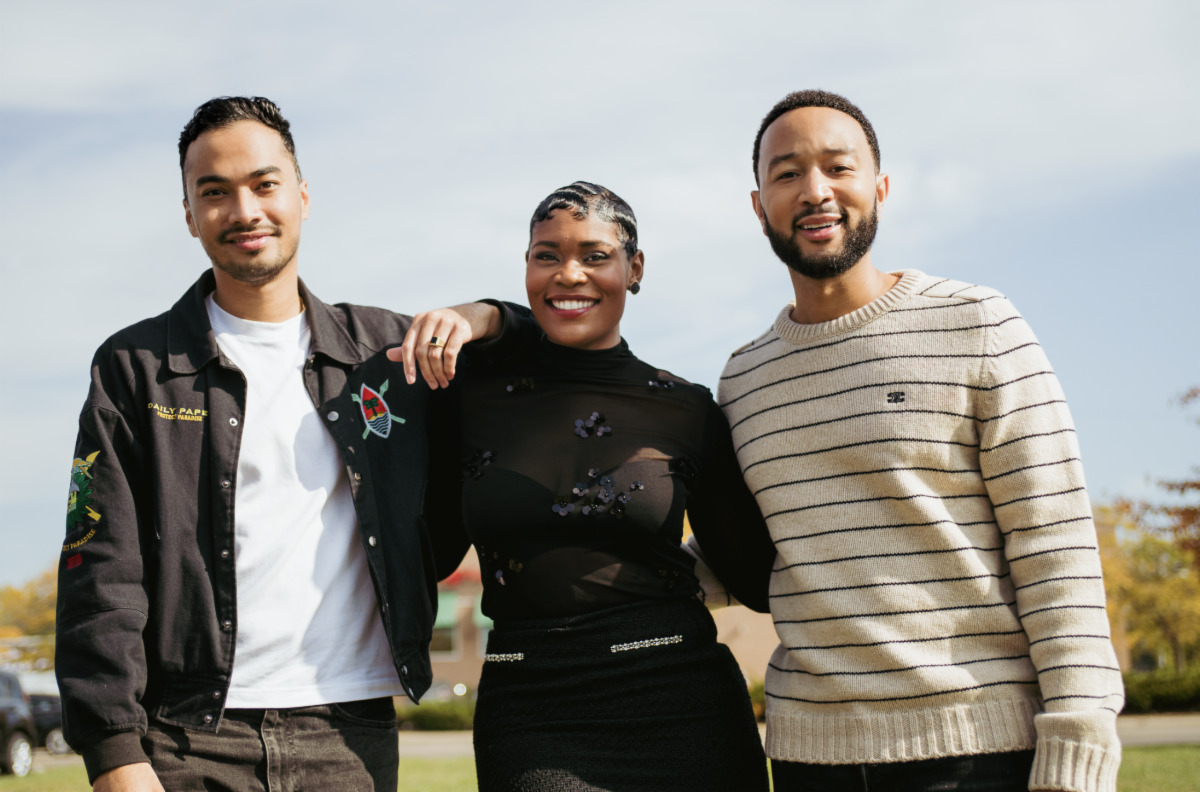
x: 1047, y: 149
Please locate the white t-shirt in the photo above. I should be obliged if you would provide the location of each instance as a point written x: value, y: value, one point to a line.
x: 308, y: 629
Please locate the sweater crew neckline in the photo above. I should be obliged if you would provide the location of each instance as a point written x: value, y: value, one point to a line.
x: 795, y: 333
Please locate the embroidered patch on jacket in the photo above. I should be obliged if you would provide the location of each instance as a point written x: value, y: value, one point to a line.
x: 375, y: 410
x: 177, y: 413
x: 80, y: 498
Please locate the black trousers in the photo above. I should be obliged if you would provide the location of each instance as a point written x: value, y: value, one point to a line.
x: 997, y: 772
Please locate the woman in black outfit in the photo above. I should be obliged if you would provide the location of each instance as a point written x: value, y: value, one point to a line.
x: 578, y: 462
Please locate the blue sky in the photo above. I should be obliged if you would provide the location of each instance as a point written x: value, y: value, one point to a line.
x: 1047, y: 149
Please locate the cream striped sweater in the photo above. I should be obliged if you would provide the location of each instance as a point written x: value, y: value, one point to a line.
x: 937, y: 590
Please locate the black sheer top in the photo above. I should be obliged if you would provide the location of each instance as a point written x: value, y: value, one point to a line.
x: 576, y: 469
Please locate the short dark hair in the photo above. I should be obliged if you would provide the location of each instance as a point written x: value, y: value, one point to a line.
x: 581, y: 197
x: 226, y: 110
x: 816, y: 98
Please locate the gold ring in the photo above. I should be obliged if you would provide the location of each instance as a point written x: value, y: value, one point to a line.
x: 437, y: 342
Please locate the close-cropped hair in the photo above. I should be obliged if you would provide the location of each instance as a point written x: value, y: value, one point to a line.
x: 225, y: 110
x: 583, y: 197
x: 816, y: 98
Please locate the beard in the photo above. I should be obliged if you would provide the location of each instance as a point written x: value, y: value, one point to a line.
x: 256, y: 270
x: 822, y: 266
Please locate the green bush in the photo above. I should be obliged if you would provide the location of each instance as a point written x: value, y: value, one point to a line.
x: 1162, y: 691
x: 451, y: 715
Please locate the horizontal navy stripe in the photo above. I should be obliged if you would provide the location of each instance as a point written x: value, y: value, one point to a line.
x: 1046, y: 525
x: 1039, y: 497
x: 1055, y: 579
x: 981, y: 606
x: 1015, y: 559
x: 851, y: 417
x: 890, y: 555
x: 962, y: 304
x: 824, y: 647
x: 1070, y: 635
x: 903, y: 698
x: 897, y: 670
x: 887, y: 527
x: 890, y: 583
x: 870, y: 473
x: 875, y: 500
x: 1031, y: 467
x: 1060, y: 607
x: 1068, y: 430
x: 799, y: 454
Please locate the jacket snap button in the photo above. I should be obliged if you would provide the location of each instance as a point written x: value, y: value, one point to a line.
x: 208, y: 718
x: 357, y: 476
x: 227, y: 625
x: 233, y: 421
x: 216, y: 694
x: 372, y: 541
x: 403, y: 670
x: 333, y: 415
x: 225, y: 553
x: 225, y: 484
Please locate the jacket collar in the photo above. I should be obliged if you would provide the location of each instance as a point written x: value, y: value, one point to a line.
x: 191, y: 345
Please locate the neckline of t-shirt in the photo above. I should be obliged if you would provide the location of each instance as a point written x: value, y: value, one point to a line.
x: 224, y: 322
x: 796, y: 333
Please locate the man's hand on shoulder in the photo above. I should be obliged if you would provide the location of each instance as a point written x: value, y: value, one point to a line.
x: 452, y: 327
x: 138, y: 777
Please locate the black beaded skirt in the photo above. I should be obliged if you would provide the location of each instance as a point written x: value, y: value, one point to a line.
x: 638, y: 697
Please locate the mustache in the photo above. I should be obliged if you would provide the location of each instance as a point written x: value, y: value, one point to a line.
x: 816, y: 210
x: 273, y: 230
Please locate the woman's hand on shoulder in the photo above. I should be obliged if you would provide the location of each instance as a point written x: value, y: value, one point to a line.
x: 435, y: 338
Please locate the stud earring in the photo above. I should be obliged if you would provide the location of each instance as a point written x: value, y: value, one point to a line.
x: 635, y: 287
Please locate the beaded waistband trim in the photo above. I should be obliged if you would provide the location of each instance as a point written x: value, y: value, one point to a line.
x: 504, y: 658
x: 625, y: 647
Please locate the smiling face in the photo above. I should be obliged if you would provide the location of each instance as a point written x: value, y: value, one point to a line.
x: 245, y: 202
x: 576, y: 276
x: 820, y: 192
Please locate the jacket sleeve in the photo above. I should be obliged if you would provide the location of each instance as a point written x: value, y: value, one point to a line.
x: 100, y: 658
x: 726, y: 520
x: 443, y: 488
x: 1030, y: 462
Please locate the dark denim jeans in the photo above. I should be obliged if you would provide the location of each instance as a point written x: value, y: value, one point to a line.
x: 348, y: 747
x: 998, y: 772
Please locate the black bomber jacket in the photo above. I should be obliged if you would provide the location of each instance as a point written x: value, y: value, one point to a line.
x: 147, y: 609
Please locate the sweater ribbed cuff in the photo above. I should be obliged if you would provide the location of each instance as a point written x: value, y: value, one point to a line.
x: 1075, y: 766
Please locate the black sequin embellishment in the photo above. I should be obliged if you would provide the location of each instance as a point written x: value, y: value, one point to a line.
x: 663, y: 383
x: 592, y: 425
x: 684, y: 467
x: 519, y: 385
x: 473, y: 465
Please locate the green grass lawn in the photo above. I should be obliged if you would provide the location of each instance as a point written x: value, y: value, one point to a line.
x: 1168, y: 768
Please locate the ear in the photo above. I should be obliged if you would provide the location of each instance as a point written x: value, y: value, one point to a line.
x: 637, y: 267
x: 303, y: 199
x: 756, y: 200
x: 187, y: 218
x: 882, y: 185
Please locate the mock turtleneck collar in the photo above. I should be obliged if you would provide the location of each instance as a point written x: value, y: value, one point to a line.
x: 796, y: 333
x: 585, y: 359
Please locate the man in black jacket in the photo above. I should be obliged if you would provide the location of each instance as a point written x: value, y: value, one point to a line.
x: 246, y: 579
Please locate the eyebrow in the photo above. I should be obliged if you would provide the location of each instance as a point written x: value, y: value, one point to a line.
x: 835, y: 151
x: 585, y: 243
x: 214, y: 179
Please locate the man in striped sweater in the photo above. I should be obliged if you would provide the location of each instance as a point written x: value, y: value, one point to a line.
x: 937, y: 591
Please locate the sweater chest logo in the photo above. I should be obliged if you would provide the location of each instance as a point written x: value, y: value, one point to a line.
x: 895, y: 397
x: 375, y: 411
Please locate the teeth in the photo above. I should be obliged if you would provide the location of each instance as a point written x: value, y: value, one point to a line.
x: 816, y: 227
x: 571, y: 305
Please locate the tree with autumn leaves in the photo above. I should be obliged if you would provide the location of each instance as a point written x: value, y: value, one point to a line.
x: 1152, y: 570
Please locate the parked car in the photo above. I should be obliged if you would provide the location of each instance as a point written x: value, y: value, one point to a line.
x: 47, y: 716
x: 17, y: 727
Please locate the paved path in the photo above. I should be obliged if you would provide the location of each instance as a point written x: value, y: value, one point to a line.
x: 1183, y: 729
